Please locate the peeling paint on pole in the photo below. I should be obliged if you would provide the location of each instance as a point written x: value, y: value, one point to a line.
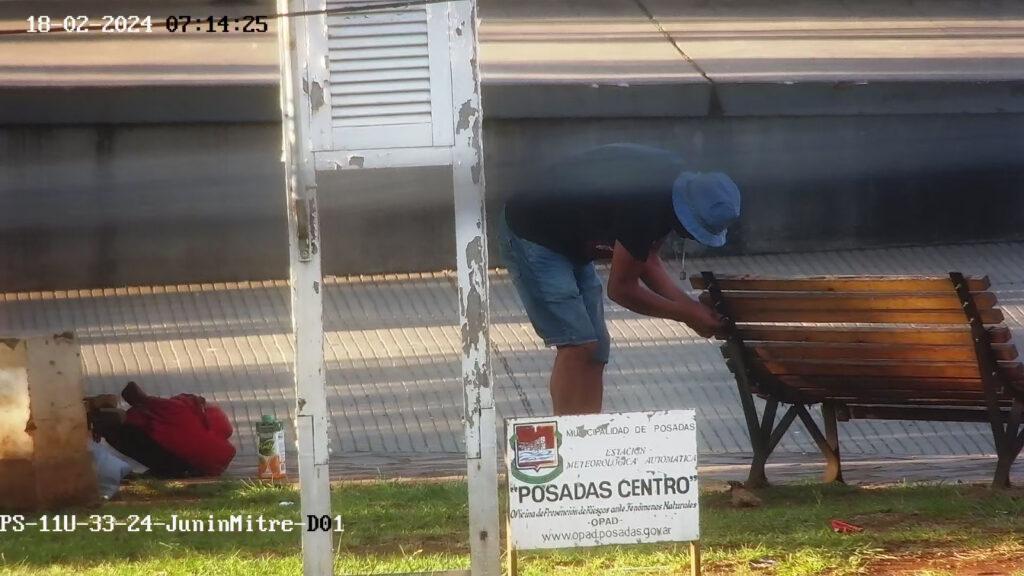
x: 316, y: 96
x: 477, y: 168
x: 471, y: 256
x: 474, y: 326
x: 466, y: 114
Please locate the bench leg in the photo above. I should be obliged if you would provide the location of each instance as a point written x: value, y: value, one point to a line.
x: 833, y: 466
x: 1001, y: 479
x: 833, y: 463
x: 768, y: 434
x: 773, y: 433
x: 756, y: 478
x: 1010, y: 447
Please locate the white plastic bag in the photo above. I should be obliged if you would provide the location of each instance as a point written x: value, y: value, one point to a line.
x: 110, y: 470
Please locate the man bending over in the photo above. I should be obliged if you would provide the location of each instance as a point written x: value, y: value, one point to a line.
x: 621, y: 200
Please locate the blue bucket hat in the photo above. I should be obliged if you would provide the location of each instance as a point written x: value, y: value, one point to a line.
x: 706, y: 204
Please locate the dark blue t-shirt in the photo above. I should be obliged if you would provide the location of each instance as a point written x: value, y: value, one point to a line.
x: 617, y: 192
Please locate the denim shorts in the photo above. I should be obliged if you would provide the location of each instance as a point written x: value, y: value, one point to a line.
x: 564, y: 300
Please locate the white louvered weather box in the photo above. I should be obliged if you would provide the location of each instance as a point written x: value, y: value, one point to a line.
x: 387, y: 100
x: 394, y: 85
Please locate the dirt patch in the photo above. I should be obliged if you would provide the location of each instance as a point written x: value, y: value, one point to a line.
x: 981, y: 563
x: 884, y: 521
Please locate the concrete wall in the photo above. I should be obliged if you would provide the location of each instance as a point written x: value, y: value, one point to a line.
x: 104, y: 205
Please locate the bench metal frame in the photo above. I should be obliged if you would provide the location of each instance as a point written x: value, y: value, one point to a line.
x: 766, y: 433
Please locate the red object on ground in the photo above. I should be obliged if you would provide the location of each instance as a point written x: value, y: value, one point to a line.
x: 844, y: 527
x: 187, y: 427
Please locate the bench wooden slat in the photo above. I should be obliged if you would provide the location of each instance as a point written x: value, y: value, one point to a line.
x: 868, y: 316
x: 897, y: 391
x: 1012, y: 387
x: 742, y: 303
x: 1009, y: 370
x: 855, y: 351
x: 861, y: 412
x: 891, y: 390
x: 883, y: 383
x: 912, y: 284
x: 892, y: 396
x: 899, y: 399
x: 938, y: 335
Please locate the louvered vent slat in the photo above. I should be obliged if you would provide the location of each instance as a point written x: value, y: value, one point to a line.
x: 352, y: 122
x: 382, y: 87
x: 379, y: 53
x: 379, y: 68
x: 371, y: 18
x: 361, y: 31
x: 359, y: 76
x: 372, y: 110
x: 382, y: 67
x: 411, y: 97
x: 377, y: 41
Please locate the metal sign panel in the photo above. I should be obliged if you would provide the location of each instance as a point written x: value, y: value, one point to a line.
x: 602, y: 479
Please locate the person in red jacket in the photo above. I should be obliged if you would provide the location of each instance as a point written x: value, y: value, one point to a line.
x: 174, y: 437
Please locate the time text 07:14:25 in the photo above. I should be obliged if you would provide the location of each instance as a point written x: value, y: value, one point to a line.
x: 134, y: 24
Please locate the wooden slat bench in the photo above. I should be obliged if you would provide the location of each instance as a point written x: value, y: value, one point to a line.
x: 879, y: 347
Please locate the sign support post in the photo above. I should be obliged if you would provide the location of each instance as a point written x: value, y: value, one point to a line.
x: 474, y: 316
x: 511, y: 555
x: 328, y: 125
x: 306, y: 281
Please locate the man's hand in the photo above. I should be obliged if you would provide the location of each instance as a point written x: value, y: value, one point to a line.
x: 706, y: 322
x: 599, y: 251
x: 659, y: 296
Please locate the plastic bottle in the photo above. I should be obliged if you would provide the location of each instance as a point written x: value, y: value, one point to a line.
x: 270, y: 448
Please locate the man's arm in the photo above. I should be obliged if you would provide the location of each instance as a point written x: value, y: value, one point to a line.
x: 625, y: 288
x: 657, y: 278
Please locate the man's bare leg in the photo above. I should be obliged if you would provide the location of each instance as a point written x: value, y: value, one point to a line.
x: 577, y: 381
x: 594, y: 387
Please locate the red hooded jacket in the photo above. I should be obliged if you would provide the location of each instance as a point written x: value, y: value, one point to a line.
x: 186, y: 426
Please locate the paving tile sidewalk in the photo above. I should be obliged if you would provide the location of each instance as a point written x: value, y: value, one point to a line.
x: 392, y: 348
x: 714, y: 469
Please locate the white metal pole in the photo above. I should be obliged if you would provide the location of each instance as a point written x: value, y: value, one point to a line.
x: 474, y: 317
x: 311, y: 418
